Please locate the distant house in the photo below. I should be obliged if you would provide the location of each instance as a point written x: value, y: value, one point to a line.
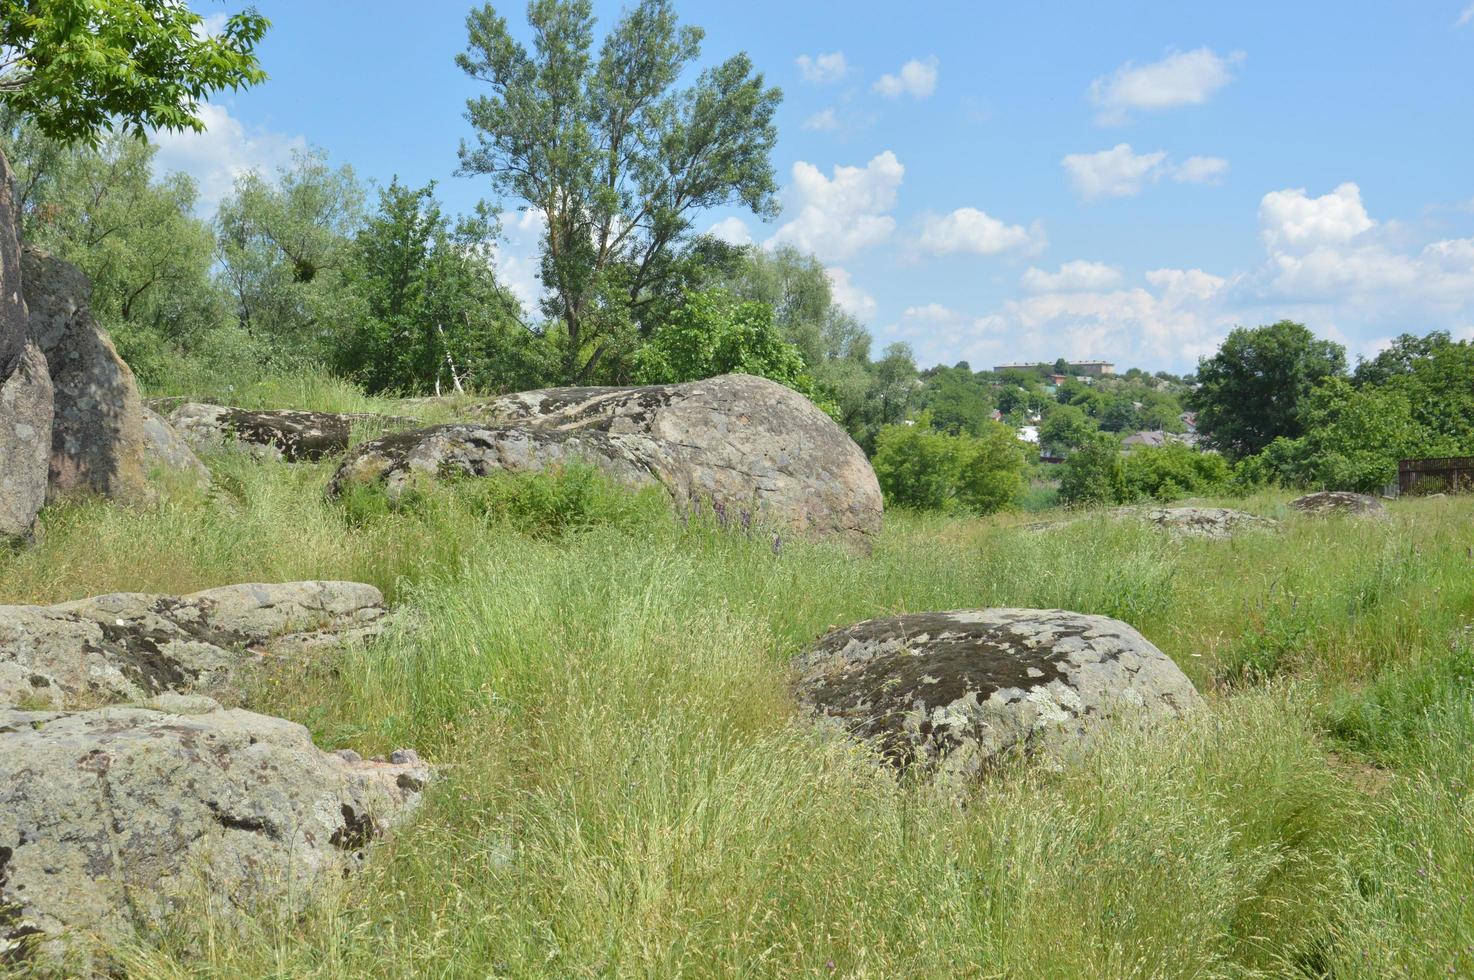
x: 1154, y: 437
x: 1089, y: 369
x: 1029, y: 433
x: 1190, y: 421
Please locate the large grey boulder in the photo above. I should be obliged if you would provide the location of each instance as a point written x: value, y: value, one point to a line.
x: 746, y: 447
x: 111, y: 818
x: 165, y: 449
x: 25, y: 443
x: 97, y: 439
x: 25, y: 389
x: 950, y: 692
x: 1338, y: 502
x: 126, y: 646
x: 273, y: 434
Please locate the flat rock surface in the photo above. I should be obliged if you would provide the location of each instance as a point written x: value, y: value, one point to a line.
x: 1328, y: 502
x: 745, y: 447
x: 949, y: 692
x: 127, y: 645
x: 275, y: 434
x: 112, y: 817
x: 1206, y: 522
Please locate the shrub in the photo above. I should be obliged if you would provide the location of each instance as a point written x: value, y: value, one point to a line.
x: 1172, y: 471
x: 1094, y: 474
x: 922, y: 469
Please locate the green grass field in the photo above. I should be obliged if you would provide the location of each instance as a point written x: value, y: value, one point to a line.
x: 626, y: 789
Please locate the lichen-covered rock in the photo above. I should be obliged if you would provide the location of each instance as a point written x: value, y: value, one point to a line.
x: 110, y: 818
x: 1205, y: 522
x: 25, y: 443
x: 127, y: 645
x: 749, y: 448
x: 165, y: 449
x: 276, y: 434
x: 25, y: 389
x: 950, y: 692
x: 1328, y: 502
x: 97, y: 440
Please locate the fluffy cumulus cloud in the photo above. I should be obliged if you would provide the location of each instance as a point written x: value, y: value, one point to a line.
x: 1292, y: 219
x: 1117, y: 172
x: 516, y: 256
x: 225, y: 150
x: 1182, y: 78
x: 973, y: 231
x: 850, y: 297
x: 732, y: 230
x: 1467, y: 17
x: 1071, y: 276
x: 823, y: 69
x: 834, y: 217
x: 1122, y: 172
x: 1327, y: 262
x: 917, y: 78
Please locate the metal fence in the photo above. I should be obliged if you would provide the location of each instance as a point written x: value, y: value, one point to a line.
x: 1448, y: 474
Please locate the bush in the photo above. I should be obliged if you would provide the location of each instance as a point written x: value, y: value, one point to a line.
x: 1172, y: 471
x: 1093, y: 474
x: 922, y: 469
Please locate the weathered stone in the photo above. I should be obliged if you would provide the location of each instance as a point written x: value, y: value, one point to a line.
x: 111, y: 818
x: 278, y: 434
x: 1204, y: 522
x: 748, y: 448
x: 25, y: 443
x: 25, y: 389
x: 126, y: 646
x: 950, y: 692
x: 165, y: 449
x: 97, y: 440
x: 1328, y: 502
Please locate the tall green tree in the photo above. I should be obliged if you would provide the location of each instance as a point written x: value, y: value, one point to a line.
x: 1254, y: 388
x: 616, y: 158
x: 282, y: 247
x: 430, y: 315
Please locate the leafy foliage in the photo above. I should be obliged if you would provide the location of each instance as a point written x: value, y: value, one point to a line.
x: 1093, y: 473
x: 78, y: 67
x: 920, y: 468
x: 1253, y: 390
x: 615, y: 158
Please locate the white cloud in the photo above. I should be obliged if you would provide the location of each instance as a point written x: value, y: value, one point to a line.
x: 732, y: 230
x: 1182, y: 78
x: 823, y: 69
x: 212, y: 25
x: 1072, y: 276
x: 971, y: 230
x: 1293, y: 219
x: 1117, y: 172
x: 916, y: 78
x: 840, y: 215
x: 224, y: 151
x: 826, y: 120
x: 516, y: 256
x: 1467, y: 17
x: 1121, y: 171
x: 850, y: 297
x: 1200, y: 170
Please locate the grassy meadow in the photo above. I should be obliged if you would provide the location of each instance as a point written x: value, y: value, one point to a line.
x: 625, y: 788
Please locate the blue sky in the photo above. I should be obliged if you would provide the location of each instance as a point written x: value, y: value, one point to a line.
x: 994, y: 182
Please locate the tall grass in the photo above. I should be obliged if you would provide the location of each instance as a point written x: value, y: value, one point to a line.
x: 626, y: 789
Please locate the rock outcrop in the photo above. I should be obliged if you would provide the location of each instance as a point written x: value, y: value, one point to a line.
x: 950, y: 692
x: 165, y: 449
x: 25, y: 389
x: 1204, y: 522
x: 280, y: 434
x: 110, y: 818
x: 25, y: 441
x: 748, y: 448
x: 97, y: 440
x: 1338, y: 502
x: 127, y: 646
